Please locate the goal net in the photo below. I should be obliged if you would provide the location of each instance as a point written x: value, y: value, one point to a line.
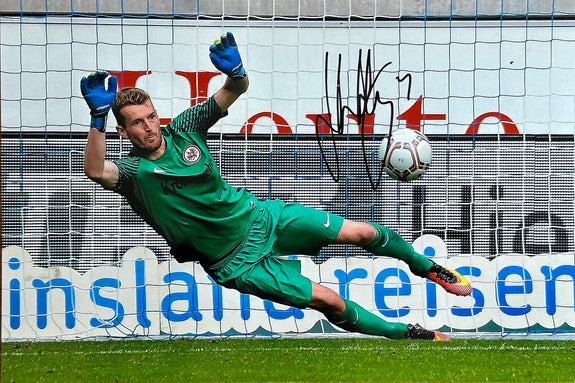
x: 490, y: 83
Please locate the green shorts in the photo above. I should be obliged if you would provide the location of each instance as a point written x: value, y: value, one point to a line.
x: 279, y: 229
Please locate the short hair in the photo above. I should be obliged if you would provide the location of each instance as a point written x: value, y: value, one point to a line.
x: 125, y: 97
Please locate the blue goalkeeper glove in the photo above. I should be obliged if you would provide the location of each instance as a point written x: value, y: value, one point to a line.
x: 99, y: 99
x: 226, y: 58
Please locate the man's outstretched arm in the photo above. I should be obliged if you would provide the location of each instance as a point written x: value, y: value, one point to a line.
x: 99, y: 100
x: 230, y: 92
x: 226, y: 58
x: 95, y: 166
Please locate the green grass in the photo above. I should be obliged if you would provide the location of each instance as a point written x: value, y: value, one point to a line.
x: 290, y: 360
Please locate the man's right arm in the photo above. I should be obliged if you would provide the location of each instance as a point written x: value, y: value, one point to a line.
x: 99, y: 100
x: 95, y: 166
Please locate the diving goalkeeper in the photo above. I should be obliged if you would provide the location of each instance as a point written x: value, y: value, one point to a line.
x: 170, y: 179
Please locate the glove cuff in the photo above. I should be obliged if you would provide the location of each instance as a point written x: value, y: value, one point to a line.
x: 99, y: 122
x: 238, y: 72
x: 240, y: 75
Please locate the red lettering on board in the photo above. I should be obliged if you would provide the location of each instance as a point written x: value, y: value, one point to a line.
x: 199, y: 82
x: 414, y: 116
x: 509, y: 126
x: 281, y: 124
x: 366, y: 125
x: 322, y: 122
x: 128, y: 78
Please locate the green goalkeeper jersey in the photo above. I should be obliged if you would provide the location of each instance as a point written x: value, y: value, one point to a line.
x: 182, y: 194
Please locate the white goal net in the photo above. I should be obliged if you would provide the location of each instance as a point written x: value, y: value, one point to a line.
x: 492, y: 86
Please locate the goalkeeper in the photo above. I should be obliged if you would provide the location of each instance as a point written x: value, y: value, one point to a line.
x: 170, y: 179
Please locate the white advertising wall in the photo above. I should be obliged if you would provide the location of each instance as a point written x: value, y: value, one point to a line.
x: 464, y: 72
x: 146, y: 298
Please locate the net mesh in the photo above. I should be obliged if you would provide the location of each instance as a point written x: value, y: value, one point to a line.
x: 490, y: 83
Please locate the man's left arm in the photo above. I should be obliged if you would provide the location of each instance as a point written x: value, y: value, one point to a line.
x: 226, y: 58
x: 230, y: 92
x: 199, y: 118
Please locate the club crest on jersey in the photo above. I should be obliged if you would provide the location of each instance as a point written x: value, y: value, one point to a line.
x: 192, y: 154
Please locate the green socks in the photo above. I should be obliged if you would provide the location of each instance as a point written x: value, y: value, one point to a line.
x: 357, y: 319
x: 389, y: 243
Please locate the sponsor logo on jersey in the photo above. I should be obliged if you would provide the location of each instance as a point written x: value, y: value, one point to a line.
x: 192, y: 154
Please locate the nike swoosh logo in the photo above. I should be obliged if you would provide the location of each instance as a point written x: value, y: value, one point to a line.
x: 158, y: 171
x: 327, y: 223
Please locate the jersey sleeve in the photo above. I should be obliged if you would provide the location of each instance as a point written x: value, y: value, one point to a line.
x: 197, y: 119
x: 127, y: 170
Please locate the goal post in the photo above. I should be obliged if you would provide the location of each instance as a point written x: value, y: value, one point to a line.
x: 491, y: 85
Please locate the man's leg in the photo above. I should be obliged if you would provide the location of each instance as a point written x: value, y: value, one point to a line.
x: 380, y: 240
x: 350, y: 316
x: 281, y: 281
x: 389, y: 243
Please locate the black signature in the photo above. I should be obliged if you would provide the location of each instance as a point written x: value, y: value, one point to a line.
x: 367, y: 100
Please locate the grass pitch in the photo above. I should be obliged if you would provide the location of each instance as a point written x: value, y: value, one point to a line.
x: 290, y: 360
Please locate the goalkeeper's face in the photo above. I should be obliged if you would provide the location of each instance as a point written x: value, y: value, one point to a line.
x: 142, y: 127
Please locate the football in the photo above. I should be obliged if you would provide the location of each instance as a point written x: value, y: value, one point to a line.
x: 406, y: 155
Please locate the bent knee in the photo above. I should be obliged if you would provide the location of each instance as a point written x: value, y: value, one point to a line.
x: 357, y: 233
